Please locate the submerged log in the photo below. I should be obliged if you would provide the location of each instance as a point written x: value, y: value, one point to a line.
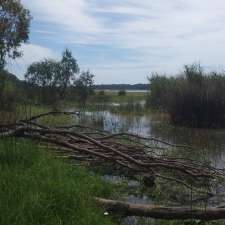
x: 160, y: 212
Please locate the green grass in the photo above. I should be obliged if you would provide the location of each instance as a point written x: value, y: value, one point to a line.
x: 114, y: 97
x: 37, y: 189
x: 130, y: 96
x: 27, y: 111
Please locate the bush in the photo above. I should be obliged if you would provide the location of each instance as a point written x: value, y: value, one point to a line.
x: 194, y: 98
x: 8, y: 93
x: 101, y: 93
x: 160, y: 90
x: 121, y: 93
x: 100, y: 97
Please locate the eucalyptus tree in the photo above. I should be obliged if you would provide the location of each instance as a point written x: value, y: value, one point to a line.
x: 68, y: 70
x: 14, y: 29
x: 53, y: 77
x: 43, y: 76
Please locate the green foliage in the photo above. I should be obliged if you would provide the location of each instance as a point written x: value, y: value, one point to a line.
x: 192, y: 99
x: 9, y: 92
x: 114, y: 97
x: 53, y: 77
x: 43, y: 73
x: 160, y: 89
x: 14, y: 28
x: 68, y: 68
x: 100, y: 97
x: 101, y: 93
x: 122, y: 92
x: 43, y: 76
x: 115, y: 87
x: 35, y: 188
x: 84, y: 86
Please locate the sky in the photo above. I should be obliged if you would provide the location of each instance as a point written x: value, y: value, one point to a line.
x: 124, y: 41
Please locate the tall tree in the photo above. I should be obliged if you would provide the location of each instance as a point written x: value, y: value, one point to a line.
x: 84, y: 86
x: 14, y: 29
x: 68, y: 71
x: 44, y: 75
x: 54, y: 76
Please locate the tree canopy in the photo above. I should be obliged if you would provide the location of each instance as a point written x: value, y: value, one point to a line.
x: 14, y: 29
x: 84, y: 86
x: 43, y: 74
x: 54, y: 75
x: 68, y: 68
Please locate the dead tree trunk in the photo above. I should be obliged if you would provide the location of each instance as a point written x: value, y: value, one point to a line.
x: 160, y: 212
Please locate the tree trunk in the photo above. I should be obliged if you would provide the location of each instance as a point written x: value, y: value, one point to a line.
x: 160, y: 212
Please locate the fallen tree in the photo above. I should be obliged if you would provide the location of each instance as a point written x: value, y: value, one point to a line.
x: 145, y: 157
x: 160, y: 212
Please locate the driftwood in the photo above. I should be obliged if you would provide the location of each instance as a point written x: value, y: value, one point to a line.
x: 160, y: 212
x: 132, y: 153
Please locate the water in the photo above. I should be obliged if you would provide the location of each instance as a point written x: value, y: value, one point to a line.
x: 210, y: 144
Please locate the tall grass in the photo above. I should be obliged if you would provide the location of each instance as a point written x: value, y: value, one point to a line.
x: 36, y: 188
x: 113, y: 96
x: 194, y: 98
x: 28, y: 110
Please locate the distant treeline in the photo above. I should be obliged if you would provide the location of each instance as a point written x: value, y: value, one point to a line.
x: 122, y: 87
x: 194, y: 98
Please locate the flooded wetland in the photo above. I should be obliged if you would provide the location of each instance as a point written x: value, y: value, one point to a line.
x: 207, y: 147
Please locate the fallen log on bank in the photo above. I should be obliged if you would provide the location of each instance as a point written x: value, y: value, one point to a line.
x: 160, y: 212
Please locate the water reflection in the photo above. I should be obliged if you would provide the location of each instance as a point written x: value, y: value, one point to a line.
x: 209, y: 144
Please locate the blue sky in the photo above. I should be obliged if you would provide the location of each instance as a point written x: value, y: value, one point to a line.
x: 125, y: 41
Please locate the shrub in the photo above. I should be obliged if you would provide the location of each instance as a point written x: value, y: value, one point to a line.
x: 101, y: 93
x: 122, y: 93
x: 194, y: 98
x: 8, y: 93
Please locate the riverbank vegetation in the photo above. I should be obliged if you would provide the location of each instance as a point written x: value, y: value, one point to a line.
x: 194, y: 98
x: 21, y: 97
x: 36, y: 188
x: 50, y: 159
x: 129, y: 155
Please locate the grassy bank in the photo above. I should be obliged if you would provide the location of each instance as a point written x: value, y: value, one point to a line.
x: 112, y: 96
x: 36, y: 188
x: 27, y: 111
x: 130, y: 103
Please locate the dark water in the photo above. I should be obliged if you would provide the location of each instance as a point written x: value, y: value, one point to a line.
x: 210, y: 144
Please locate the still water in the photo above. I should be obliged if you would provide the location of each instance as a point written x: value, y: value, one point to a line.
x: 210, y: 143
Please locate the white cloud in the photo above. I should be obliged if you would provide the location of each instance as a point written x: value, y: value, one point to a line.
x: 146, y: 21
x: 163, y: 35
x: 73, y: 15
x: 31, y: 53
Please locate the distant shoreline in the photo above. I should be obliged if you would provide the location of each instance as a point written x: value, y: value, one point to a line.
x: 116, y: 90
x: 127, y: 87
